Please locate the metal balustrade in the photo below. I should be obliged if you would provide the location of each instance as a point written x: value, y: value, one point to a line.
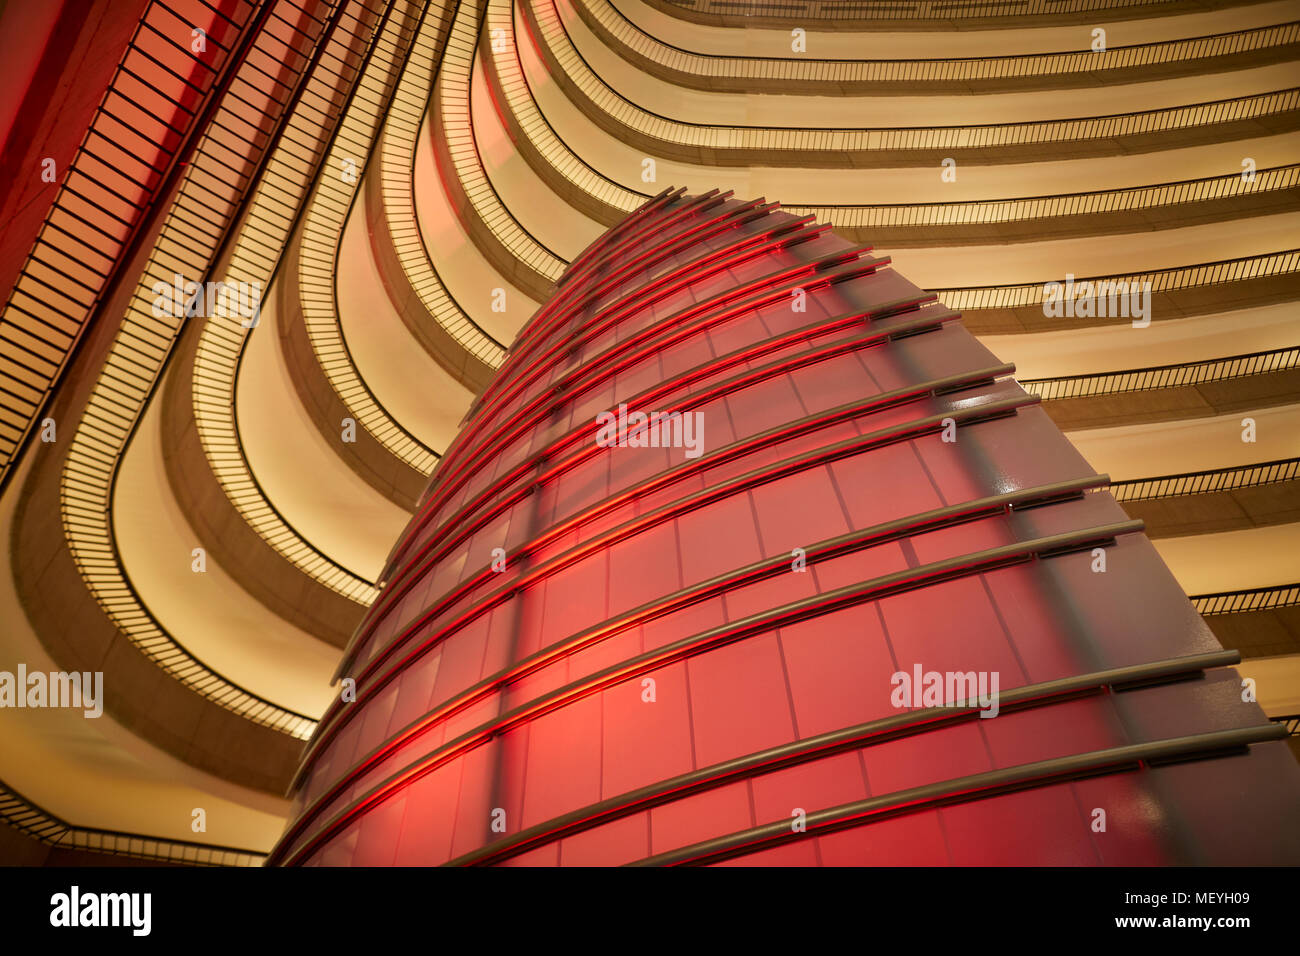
x: 1290, y: 721
x: 513, y: 83
x: 1268, y: 265
x: 109, y: 192
x: 1206, y: 482
x: 601, y: 96
x: 522, y: 107
x: 618, y: 28
x: 510, y: 78
x: 912, y: 9
x: 1254, y: 599
x: 406, y: 118
x: 27, y: 818
x: 322, y: 236
x: 215, y: 189
x: 453, y: 92
x: 985, y: 211
x: 286, y: 180
x: 1164, y: 376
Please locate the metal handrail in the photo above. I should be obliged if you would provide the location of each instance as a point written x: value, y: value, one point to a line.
x: 188, y: 243
x: 548, y: 144
x: 396, y: 171
x: 1164, y: 376
x: 453, y: 92
x: 1206, y: 482
x: 34, y: 821
x: 1254, y: 599
x: 579, y: 72
x: 914, y: 9
x: 255, y: 258
x: 322, y: 237
x: 108, y: 194
x: 1268, y: 265
x: 777, y: 68
x: 985, y: 211
x: 1291, y: 721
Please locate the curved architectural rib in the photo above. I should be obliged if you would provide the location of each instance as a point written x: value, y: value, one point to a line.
x: 820, y: 503
x: 515, y: 252
x: 312, y: 295
x: 801, y: 74
x: 997, y: 220
x: 929, y: 14
x: 84, y: 471
x: 733, y: 145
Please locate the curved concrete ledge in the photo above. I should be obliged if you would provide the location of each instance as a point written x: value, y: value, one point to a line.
x: 1259, y: 633
x: 255, y: 564
x: 722, y: 14
x: 389, y: 475
x: 458, y: 362
x: 452, y: 124
x: 1178, y: 303
x: 1233, y: 510
x: 1171, y: 404
x: 733, y: 74
x: 137, y: 693
x: 1150, y: 219
x: 494, y: 250
x: 798, y: 154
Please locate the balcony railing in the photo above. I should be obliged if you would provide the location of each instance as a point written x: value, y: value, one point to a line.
x: 550, y: 147
x: 1255, y: 599
x: 1207, y: 482
x: 1164, y: 376
x: 28, y: 818
x: 1026, y: 294
x: 984, y: 211
x: 398, y: 144
x: 955, y: 69
x: 579, y: 75
x: 110, y: 191
x: 908, y: 9
x: 217, y: 185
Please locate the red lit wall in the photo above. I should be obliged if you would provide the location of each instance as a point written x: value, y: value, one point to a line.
x: 591, y: 654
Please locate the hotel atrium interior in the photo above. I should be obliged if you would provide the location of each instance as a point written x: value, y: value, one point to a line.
x: 312, y: 310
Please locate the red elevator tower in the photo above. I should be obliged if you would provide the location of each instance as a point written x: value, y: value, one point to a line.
x: 751, y: 553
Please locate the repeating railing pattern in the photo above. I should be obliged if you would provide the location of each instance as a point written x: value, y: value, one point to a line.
x: 322, y: 234
x: 543, y: 139
x: 110, y: 188
x: 255, y: 259
x: 984, y: 211
x: 776, y: 69
x: 519, y: 100
x: 909, y: 9
x: 1207, y: 482
x: 988, y: 136
x: 1268, y: 265
x: 1254, y: 599
x: 406, y: 117
x: 219, y: 179
x: 1164, y: 376
x: 27, y: 818
x: 453, y: 91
